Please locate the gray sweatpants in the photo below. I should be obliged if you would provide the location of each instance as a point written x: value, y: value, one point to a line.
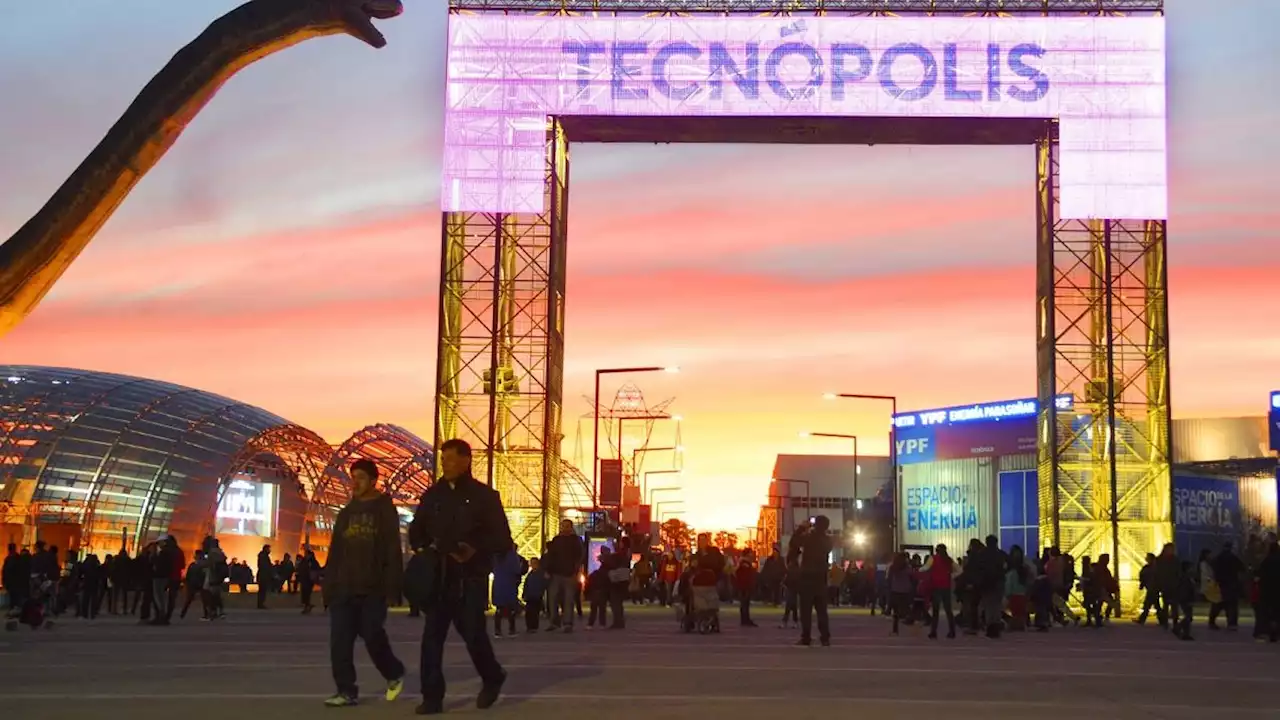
x: 562, y: 590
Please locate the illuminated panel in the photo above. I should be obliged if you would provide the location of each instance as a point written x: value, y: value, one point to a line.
x: 1274, y: 420
x: 983, y: 412
x: 1103, y: 77
x: 247, y: 508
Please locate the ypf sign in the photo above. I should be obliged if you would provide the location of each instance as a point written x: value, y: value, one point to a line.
x: 1102, y: 77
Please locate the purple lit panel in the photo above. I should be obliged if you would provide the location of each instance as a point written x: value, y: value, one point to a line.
x: 1103, y: 77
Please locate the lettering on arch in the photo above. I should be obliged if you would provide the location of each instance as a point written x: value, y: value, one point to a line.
x: 1102, y: 77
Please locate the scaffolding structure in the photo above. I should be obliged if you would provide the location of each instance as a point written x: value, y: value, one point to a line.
x: 1101, y: 303
x: 1103, y: 338
x: 500, y: 362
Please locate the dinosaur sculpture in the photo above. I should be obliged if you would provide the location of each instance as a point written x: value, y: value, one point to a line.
x: 32, y: 260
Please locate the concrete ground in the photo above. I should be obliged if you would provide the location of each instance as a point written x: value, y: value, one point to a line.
x: 273, y: 665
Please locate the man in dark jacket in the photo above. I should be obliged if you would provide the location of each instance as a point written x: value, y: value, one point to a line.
x: 1167, y: 572
x: 1268, y: 579
x: 988, y: 579
x: 16, y: 577
x: 266, y: 574
x: 1228, y: 571
x: 564, y: 558
x: 363, y: 576
x: 815, y: 559
x: 463, y: 523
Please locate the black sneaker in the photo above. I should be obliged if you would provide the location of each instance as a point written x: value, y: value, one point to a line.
x: 489, y: 693
x: 427, y: 708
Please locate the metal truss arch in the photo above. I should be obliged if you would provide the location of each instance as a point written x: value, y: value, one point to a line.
x: 405, y: 464
x: 304, y: 453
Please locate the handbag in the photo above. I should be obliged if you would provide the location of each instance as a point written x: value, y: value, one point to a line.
x: 1213, y: 592
x: 619, y: 575
x: 422, y: 578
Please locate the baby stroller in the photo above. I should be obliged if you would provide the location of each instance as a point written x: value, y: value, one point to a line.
x: 33, y: 611
x: 706, y: 609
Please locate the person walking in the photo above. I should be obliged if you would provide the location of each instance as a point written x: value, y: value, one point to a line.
x: 307, y: 570
x: 535, y: 589
x: 1267, y: 578
x: 744, y: 581
x: 266, y: 575
x: 564, y: 558
x: 508, y: 568
x: 941, y: 572
x: 463, y: 522
x: 815, y: 554
x: 193, y: 584
x: 363, y: 576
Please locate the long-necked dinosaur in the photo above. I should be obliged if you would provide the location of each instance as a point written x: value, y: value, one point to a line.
x: 33, y: 259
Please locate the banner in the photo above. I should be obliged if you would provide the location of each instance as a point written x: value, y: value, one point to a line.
x: 1103, y: 78
x: 1205, y: 505
x: 610, y: 482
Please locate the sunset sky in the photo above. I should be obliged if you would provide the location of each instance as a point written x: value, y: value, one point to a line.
x: 286, y: 251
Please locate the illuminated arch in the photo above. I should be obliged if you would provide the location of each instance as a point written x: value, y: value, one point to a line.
x: 404, y: 460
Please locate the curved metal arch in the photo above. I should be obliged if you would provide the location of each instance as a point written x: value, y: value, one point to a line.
x: 405, y: 460
x: 60, y: 431
x: 304, y: 452
x: 110, y: 459
x: 160, y: 478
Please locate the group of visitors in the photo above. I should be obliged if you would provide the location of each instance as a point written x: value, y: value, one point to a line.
x: 997, y: 590
x: 41, y: 585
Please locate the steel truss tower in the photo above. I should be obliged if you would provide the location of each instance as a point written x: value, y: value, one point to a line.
x: 1101, y: 319
x: 1103, y: 338
x: 500, y: 363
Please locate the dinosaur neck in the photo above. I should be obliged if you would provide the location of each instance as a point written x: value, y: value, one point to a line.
x: 33, y: 259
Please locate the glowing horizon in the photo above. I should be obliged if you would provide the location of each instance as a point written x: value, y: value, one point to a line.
x: 285, y: 253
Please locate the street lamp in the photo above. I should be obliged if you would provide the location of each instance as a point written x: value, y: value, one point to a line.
x: 893, y: 445
x: 655, y: 491
x: 635, y: 454
x: 856, y: 468
x: 595, y: 411
x: 659, y: 506
x: 644, y: 489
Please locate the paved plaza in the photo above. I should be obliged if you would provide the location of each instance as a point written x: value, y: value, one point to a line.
x: 274, y: 665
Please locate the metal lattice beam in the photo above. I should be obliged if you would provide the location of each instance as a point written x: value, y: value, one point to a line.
x: 501, y: 353
x: 856, y: 7
x: 1104, y: 466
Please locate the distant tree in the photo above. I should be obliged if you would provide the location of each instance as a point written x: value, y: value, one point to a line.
x: 676, y: 534
x: 726, y: 540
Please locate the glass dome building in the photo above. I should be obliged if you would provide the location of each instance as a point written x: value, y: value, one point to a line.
x: 100, y: 461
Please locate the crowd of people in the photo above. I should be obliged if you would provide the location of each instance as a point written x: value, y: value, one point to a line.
x: 154, y: 585
x: 463, y: 562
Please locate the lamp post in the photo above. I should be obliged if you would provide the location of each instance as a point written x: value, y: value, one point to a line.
x: 655, y: 491
x: 856, y: 470
x: 677, y: 449
x: 663, y: 503
x: 893, y: 444
x: 595, y: 412
x: 644, y: 489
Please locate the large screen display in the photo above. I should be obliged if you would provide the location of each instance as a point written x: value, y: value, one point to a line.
x: 248, y: 507
x: 1103, y: 77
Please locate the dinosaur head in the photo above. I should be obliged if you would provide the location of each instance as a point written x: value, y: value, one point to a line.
x: 357, y: 17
